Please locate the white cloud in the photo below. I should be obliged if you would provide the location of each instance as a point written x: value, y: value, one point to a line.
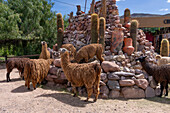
x: 120, y: 0
x: 164, y: 9
x: 168, y: 1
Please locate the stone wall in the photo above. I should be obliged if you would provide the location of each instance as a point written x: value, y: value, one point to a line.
x: 122, y: 75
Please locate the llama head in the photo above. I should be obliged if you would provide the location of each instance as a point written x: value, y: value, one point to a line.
x: 141, y: 59
x: 63, y: 51
x: 44, y: 44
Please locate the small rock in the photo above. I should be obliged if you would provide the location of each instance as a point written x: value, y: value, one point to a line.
x: 127, y: 82
x: 114, y: 94
x: 104, y: 90
x: 125, y: 74
x: 129, y: 92
x: 109, y: 66
x: 149, y: 92
x: 57, y: 62
x: 142, y: 83
x: 112, y: 76
x: 103, y: 77
x: 113, y: 85
x: 140, y: 76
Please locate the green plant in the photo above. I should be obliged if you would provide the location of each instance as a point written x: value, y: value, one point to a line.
x: 126, y: 15
x: 164, y: 50
x: 94, y: 28
x: 60, y: 34
x: 60, y: 23
x: 133, y: 32
x: 102, y: 27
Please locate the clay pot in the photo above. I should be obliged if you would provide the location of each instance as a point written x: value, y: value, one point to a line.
x: 128, y: 48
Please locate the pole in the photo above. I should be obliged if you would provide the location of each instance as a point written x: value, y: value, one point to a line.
x: 85, y: 6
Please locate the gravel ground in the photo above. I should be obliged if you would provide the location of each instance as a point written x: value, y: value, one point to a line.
x: 15, y: 98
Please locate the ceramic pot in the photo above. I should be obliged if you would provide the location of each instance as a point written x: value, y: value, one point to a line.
x: 128, y: 48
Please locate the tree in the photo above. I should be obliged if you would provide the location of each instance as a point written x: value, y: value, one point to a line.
x: 38, y: 22
x: 8, y: 23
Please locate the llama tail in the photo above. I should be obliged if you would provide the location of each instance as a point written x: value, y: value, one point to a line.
x: 97, y: 68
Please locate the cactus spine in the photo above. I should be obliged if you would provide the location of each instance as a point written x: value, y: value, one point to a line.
x: 126, y: 15
x: 133, y: 32
x: 102, y: 31
x: 164, y: 50
x: 60, y: 23
x: 94, y: 28
x: 103, y: 9
x: 59, y: 38
x: 60, y: 30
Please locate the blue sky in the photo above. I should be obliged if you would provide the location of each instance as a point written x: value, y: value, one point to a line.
x: 136, y: 6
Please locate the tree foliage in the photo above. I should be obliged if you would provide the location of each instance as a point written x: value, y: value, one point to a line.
x: 28, y: 22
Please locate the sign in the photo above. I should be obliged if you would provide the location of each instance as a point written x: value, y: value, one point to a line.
x: 167, y: 21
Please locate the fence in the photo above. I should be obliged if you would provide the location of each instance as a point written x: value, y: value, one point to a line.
x: 24, y: 56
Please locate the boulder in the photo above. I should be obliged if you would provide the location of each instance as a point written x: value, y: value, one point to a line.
x: 112, y: 76
x: 114, y: 94
x: 130, y: 92
x: 109, y: 66
x: 149, y: 92
x: 57, y: 62
x: 126, y: 82
x: 113, y: 85
x: 142, y: 83
x: 125, y: 74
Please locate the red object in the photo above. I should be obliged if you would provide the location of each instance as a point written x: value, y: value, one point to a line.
x: 150, y: 37
x: 128, y: 48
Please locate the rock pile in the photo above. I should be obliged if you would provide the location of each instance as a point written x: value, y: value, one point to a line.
x: 122, y: 74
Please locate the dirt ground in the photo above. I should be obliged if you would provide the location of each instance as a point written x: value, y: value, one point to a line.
x: 15, y: 98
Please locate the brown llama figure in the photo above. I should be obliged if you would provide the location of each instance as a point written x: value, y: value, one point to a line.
x: 161, y: 74
x: 18, y: 63
x: 71, y: 48
x: 36, y: 70
x: 45, y: 54
x: 78, y: 75
x: 89, y: 51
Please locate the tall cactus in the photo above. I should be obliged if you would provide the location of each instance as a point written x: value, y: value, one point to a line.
x: 60, y: 34
x: 94, y: 28
x: 60, y: 23
x: 60, y: 30
x: 133, y: 32
x: 102, y: 28
x: 126, y: 15
x: 103, y: 9
x: 164, y: 50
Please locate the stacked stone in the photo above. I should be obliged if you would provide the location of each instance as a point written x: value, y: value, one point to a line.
x: 122, y: 74
x: 78, y: 31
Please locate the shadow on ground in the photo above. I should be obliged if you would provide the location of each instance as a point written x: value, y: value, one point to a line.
x: 67, y: 99
x: 21, y: 89
x: 163, y: 100
x: 12, y: 80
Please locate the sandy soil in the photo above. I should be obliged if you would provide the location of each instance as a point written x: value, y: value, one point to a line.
x: 15, y: 98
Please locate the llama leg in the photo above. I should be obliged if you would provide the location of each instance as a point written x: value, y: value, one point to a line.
x: 7, y: 77
x: 86, y: 60
x: 75, y: 91
x: 89, y: 92
x: 28, y: 84
x: 166, y: 87
x: 162, y: 88
x: 96, y: 92
x: 34, y: 84
x: 100, y: 58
